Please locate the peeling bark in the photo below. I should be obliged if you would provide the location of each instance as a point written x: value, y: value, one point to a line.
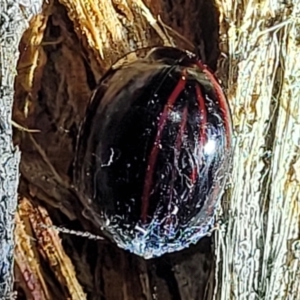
x: 56, y: 75
x: 63, y: 54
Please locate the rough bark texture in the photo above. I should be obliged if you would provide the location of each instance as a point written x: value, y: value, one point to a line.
x: 63, y: 54
x: 258, y: 244
x: 12, y: 25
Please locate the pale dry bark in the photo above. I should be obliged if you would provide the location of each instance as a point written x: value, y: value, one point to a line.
x: 13, y: 21
x: 258, y: 246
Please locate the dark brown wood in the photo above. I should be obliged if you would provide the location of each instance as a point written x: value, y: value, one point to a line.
x: 63, y: 82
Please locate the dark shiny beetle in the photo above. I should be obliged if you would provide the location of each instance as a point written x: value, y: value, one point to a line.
x: 154, y: 151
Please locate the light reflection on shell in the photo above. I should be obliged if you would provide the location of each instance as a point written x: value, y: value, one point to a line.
x: 156, y: 142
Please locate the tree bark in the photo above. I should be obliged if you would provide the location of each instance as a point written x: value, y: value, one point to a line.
x: 258, y: 244
x: 12, y: 25
x: 63, y: 54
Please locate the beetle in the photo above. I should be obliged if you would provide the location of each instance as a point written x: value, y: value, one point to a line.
x: 154, y: 152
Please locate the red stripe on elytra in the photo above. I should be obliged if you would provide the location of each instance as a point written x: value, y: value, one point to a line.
x: 222, y: 100
x: 193, y: 176
x: 154, y: 152
x: 203, y: 114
